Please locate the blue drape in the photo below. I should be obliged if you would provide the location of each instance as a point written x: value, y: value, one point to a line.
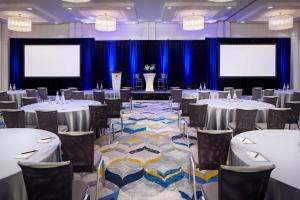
x: 283, y: 61
x: 88, y: 47
x: 133, y: 59
x: 212, y: 58
x: 187, y: 60
x: 164, y: 56
x: 16, y: 56
x: 111, y: 60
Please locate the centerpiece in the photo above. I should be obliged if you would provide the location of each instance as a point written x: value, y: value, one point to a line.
x: 149, y: 68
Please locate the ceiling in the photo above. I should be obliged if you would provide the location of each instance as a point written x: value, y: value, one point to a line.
x: 134, y: 11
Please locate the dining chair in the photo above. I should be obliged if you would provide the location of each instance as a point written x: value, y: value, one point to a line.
x: 48, y: 120
x: 239, y: 183
x: 28, y: 100
x: 223, y: 94
x: 77, y: 95
x: 8, y: 105
x: 229, y: 89
x: 176, y: 95
x: 43, y: 93
x: 162, y: 81
x: 197, y: 115
x: 67, y: 93
x: 125, y: 95
x: 244, y: 121
x: 98, y: 118
x: 203, y: 95
x: 271, y: 100
x: 4, y: 96
x: 277, y: 119
x: 238, y: 92
x: 52, y: 180
x: 256, y: 93
x: 269, y: 92
x: 114, y: 107
x: 31, y: 93
x: 14, y: 118
x: 138, y: 82
x: 185, y: 105
x: 294, y: 114
x: 99, y: 96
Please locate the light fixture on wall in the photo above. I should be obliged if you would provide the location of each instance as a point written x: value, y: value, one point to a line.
x: 220, y: 1
x: 106, y: 23
x: 77, y: 1
x: 193, y: 23
x: 281, y: 22
x: 19, y: 24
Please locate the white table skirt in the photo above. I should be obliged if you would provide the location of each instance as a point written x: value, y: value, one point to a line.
x: 12, y: 143
x: 15, y: 95
x: 74, y: 113
x: 88, y: 94
x: 222, y: 111
x: 280, y: 147
x: 195, y: 93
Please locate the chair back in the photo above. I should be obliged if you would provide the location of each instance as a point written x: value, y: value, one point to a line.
x: 197, y: 114
x: 243, y: 182
x: 185, y: 105
x: 239, y: 93
x: 256, y: 93
x: 176, y: 95
x: 271, y: 100
x: 4, y: 96
x: 28, y: 100
x: 99, y: 96
x: 204, y: 95
x: 31, y: 93
x: 43, y: 93
x: 98, y: 116
x: 245, y: 120
x: 72, y: 88
x: 295, y: 111
x: 78, y: 147
x: 125, y: 95
x: 8, y: 105
x: 296, y: 96
x: 67, y: 93
x: 114, y: 107
x: 77, y: 95
x: 213, y: 148
x: 136, y: 75
x: 223, y: 94
x: 14, y: 118
x: 51, y: 180
x: 47, y: 120
x: 269, y: 92
x: 229, y: 89
x: 278, y: 117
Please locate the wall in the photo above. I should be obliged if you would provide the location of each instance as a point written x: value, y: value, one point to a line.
x: 150, y: 31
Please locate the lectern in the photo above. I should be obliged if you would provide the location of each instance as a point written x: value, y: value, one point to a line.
x: 116, y: 80
x: 149, y: 78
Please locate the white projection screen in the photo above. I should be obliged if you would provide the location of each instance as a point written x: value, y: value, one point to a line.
x: 247, y: 60
x: 52, y: 61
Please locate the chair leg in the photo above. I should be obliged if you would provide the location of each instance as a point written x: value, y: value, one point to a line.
x: 194, y: 178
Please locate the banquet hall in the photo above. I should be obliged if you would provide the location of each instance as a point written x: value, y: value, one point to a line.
x: 149, y: 99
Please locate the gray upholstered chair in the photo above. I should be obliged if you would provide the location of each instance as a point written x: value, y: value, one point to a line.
x: 245, y: 121
x: 296, y: 96
x: 197, y: 115
x: 14, y: 118
x: 203, y: 95
x: 176, y: 95
x: 295, y: 112
x: 223, y: 94
x: 43, y: 93
x: 48, y: 120
x: 229, y: 89
x: 31, y: 93
x: 163, y: 81
x: 277, y: 118
x: 8, y: 105
x: 256, y: 93
x: 4, y: 96
x: 28, y: 100
x: 77, y: 95
x: 239, y: 93
x: 114, y: 106
x: 239, y: 183
x: 67, y: 93
x: 125, y: 95
x: 138, y: 82
x: 52, y: 180
x: 210, y: 152
x: 269, y: 92
x: 185, y: 105
x: 99, y: 96
x: 98, y: 118
x: 271, y: 100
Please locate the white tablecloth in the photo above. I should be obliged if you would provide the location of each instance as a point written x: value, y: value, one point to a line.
x: 15, y: 95
x: 195, y: 93
x: 88, y: 94
x: 283, y: 96
x: 280, y: 147
x: 74, y: 113
x: 222, y: 111
x: 12, y: 143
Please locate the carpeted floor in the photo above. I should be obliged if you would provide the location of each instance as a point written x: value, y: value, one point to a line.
x: 150, y: 160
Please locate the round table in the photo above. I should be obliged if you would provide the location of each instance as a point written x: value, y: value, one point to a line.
x: 280, y: 147
x: 195, y: 93
x: 15, y: 95
x: 12, y: 143
x: 222, y: 111
x: 283, y: 96
x: 89, y: 95
x: 74, y: 113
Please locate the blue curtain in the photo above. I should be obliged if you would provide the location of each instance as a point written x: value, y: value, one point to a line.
x: 283, y: 61
x: 187, y: 63
x: 133, y: 59
x: 16, y: 56
x: 212, y: 58
x: 164, y: 56
x: 88, y: 48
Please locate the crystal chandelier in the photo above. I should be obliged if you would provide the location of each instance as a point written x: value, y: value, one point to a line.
x: 193, y: 23
x: 106, y: 23
x: 20, y: 24
x: 281, y: 22
x: 77, y: 1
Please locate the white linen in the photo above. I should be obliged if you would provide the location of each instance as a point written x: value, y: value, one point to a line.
x: 195, y: 93
x: 149, y: 79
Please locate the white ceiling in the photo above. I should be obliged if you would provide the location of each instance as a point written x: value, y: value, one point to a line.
x: 133, y: 11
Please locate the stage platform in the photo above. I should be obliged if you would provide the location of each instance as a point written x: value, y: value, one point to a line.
x: 156, y: 95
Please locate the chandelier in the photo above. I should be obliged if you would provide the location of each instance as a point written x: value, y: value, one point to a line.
x: 106, y: 23
x: 20, y: 24
x: 77, y: 1
x: 220, y: 1
x: 193, y: 23
x: 281, y: 22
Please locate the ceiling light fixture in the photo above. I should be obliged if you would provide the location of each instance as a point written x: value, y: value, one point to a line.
x: 281, y: 22
x: 270, y: 7
x: 229, y: 8
x: 77, y: 1
x: 220, y: 1
x: 29, y: 8
x: 19, y: 24
x: 169, y: 7
x: 128, y: 8
x: 193, y: 23
x: 69, y: 8
x: 106, y: 23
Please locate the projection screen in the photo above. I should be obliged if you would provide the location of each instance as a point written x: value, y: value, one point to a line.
x: 52, y: 60
x: 247, y: 60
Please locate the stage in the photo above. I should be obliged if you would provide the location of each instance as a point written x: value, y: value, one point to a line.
x: 156, y: 95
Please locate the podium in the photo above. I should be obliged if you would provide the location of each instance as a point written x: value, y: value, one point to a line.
x: 116, y: 80
x: 149, y: 78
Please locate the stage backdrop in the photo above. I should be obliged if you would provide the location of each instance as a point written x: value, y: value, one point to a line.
x: 187, y: 63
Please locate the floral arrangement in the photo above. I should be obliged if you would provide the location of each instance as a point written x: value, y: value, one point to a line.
x: 149, y: 68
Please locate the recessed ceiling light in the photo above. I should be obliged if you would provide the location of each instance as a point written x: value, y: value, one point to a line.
x: 229, y: 7
x: 169, y: 7
x: 242, y: 22
x: 128, y: 8
x: 56, y: 23
x: 69, y: 8
x: 29, y: 8
x: 270, y: 7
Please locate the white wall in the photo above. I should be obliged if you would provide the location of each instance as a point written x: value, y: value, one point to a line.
x: 149, y: 31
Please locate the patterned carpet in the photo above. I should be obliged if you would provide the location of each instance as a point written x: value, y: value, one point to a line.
x: 150, y: 160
